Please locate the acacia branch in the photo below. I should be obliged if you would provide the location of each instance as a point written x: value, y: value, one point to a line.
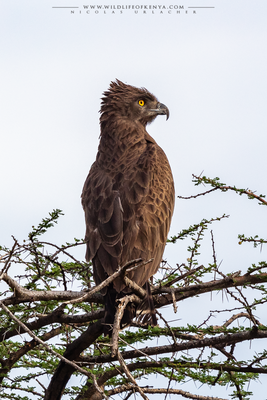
x: 163, y: 364
x: 40, y: 341
x: 125, y: 388
x: 22, y: 295
x: 182, y: 293
x: 129, y: 375
x: 118, y: 317
x: 139, y: 291
x: 7, y: 263
x: 57, y: 316
x: 73, y: 351
x: 14, y: 357
x: 13, y: 387
x: 71, y: 366
x: 178, y: 365
x: 223, y: 340
x: 221, y: 186
x: 179, y: 278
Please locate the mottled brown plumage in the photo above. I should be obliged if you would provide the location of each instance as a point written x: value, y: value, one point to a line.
x: 128, y: 196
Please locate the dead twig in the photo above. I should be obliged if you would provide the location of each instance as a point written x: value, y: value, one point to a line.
x: 139, y: 291
x: 174, y: 302
x: 7, y: 263
x: 117, y: 321
x: 129, y: 376
x: 180, y: 392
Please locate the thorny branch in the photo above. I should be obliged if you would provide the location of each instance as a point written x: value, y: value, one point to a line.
x: 224, y: 188
x: 50, y: 350
x: 129, y: 376
x: 71, y: 297
x: 183, y: 393
x: 41, y: 341
x: 223, y: 339
x: 7, y: 262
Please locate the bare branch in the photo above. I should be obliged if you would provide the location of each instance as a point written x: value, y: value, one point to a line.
x: 182, y: 293
x: 129, y: 375
x: 217, y: 185
x: 118, y: 317
x: 187, y: 395
x: 223, y: 339
x: 135, y: 288
x: 7, y: 263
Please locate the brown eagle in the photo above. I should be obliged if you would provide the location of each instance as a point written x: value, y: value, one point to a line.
x: 128, y: 196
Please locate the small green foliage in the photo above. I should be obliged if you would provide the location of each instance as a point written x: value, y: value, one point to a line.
x: 194, y: 228
x: 45, y: 224
x: 216, y: 184
x: 253, y: 239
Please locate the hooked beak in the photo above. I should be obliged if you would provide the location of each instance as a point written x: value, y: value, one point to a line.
x: 161, y: 110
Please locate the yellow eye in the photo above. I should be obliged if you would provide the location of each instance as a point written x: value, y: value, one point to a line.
x: 141, y: 103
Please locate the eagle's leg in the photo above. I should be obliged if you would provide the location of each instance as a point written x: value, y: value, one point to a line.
x: 110, y: 310
x: 152, y: 320
x: 146, y: 313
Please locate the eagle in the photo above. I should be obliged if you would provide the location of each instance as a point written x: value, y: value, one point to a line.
x: 128, y: 196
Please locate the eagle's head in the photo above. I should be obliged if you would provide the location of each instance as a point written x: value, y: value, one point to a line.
x: 126, y: 101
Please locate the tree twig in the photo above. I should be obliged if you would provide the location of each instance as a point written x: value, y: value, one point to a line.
x: 118, y: 317
x: 129, y: 375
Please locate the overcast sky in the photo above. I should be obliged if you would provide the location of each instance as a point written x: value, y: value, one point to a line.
x: 208, y: 65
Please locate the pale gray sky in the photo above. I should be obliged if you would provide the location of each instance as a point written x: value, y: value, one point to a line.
x: 208, y: 67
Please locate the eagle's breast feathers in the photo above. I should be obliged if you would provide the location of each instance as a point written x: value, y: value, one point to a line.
x: 128, y: 196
